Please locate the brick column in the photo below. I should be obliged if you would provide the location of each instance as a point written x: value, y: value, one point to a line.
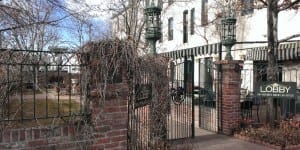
x: 108, y: 105
x: 230, y: 104
x: 110, y: 117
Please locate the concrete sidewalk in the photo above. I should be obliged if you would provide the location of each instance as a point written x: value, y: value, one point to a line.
x: 215, y: 142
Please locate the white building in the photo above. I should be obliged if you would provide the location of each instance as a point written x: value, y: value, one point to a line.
x: 194, y: 27
x: 191, y: 33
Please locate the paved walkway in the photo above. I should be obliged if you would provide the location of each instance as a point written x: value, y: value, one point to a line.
x: 207, y: 140
x: 212, y: 141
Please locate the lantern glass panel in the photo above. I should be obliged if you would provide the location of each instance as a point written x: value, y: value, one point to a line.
x: 152, y: 13
x: 153, y: 3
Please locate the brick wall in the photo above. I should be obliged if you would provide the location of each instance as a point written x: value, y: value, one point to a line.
x: 231, y: 81
x: 106, y: 130
x: 63, y: 137
x: 110, y: 118
x: 106, y: 127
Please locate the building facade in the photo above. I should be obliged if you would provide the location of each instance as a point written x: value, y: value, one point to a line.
x: 191, y: 33
x: 194, y: 24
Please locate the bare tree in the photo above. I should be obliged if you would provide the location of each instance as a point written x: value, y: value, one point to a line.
x: 129, y: 19
x: 26, y: 28
x: 274, y: 7
x: 27, y: 24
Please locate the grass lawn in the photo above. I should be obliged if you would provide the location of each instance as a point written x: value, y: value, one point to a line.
x: 33, y: 112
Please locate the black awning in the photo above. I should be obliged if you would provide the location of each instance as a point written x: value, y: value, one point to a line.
x: 194, y: 51
x: 286, y: 51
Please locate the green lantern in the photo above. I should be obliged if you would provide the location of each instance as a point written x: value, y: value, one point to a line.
x: 152, y: 14
x: 228, y: 34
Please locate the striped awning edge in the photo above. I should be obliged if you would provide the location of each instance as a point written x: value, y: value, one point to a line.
x: 286, y: 51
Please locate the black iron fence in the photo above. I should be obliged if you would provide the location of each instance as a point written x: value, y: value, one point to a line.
x: 254, y: 106
x: 255, y: 72
x: 139, y: 110
x: 149, y: 106
x: 181, y: 115
x: 41, y: 87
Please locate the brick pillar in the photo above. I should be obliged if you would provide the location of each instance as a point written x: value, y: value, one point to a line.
x: 110, y: 117
x: 230, y: 105
x: 109, y: 114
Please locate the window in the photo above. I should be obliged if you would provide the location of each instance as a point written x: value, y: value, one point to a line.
x: 161, y: 31
x: 188, y: 75
x: 204, y: 11
x: 247, y: 7
x: 185, y: 27
x: 189, y: 70
x: 209, y: 76
x: 172, y: 71
x: 192, y: 28
x: 170, y: 2
x: 170, y: 29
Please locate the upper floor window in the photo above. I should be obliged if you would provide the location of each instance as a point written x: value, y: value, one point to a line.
x: 192, y: 28
x: 185, y: 26
x: 247, y: 6
x: 170, y: 29
x: 161, y: 31
x: 204, y: 12
x: 188, y: 69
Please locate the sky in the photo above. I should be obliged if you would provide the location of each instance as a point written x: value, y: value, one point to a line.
x: 99, y: 19
x: 93, y: 11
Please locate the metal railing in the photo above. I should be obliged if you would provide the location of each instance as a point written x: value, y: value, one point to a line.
x: 254, y: 107
x: 41, y: 85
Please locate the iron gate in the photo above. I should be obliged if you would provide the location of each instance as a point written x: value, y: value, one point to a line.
x: 193, y: 101
x: 195, y: 97
x: 181, y: 117
x: 208, y: 92
x: 139, y: 111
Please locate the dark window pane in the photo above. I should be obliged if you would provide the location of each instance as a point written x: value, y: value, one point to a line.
x: 204, y: 10
x: 185, y: 27
x: 192, y: 21
x: 170, y: 29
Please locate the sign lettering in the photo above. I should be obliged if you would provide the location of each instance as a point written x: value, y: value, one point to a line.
x: 143, y: 94
x: 276, y: 89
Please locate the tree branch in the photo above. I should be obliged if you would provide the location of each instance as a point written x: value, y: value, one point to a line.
x: 264, y: 2
x: 34, y: 23
x: 289, y: 5
x: 289, y: 37
x: 3, y: 7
